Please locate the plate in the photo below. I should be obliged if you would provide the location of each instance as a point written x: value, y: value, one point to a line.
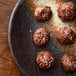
x: 20, y: 36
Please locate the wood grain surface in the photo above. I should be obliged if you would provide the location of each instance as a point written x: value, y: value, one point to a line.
x: 7, y: 64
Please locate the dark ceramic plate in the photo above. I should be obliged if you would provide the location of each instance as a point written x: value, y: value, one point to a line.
x: 20, y: 35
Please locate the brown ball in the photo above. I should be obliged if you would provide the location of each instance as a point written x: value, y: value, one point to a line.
x: 67, y: 11
x: 42, y: 13
x: 41, y: 37
x: 68, y: 63
x: 45, y: 60
x: 66, y: 36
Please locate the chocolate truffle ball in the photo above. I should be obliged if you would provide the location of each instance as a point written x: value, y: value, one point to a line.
x: 68, y: 63
x: 41, y: 37
x: 42, y: 13
x: 66, y: 36
x: 67, y: 11
x: 45, y: 60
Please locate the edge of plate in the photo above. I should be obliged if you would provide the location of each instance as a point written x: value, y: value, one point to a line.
x: 9, y: 31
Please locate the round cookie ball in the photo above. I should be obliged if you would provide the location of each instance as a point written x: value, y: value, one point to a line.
x: 68, y: 63
x: 42, y: 13
x: 41, y: 37
x: 66, y: 36
x: 67, y: 11
x: 45, y: 60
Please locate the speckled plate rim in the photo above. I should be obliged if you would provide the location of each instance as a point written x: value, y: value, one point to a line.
x: 19, y: 2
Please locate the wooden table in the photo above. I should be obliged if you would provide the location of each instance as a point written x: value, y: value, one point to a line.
x: 7, y: 64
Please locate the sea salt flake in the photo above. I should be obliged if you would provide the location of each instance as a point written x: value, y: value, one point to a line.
x: 30, y: 31
x: 66, y: 32
x: 38, y: 53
